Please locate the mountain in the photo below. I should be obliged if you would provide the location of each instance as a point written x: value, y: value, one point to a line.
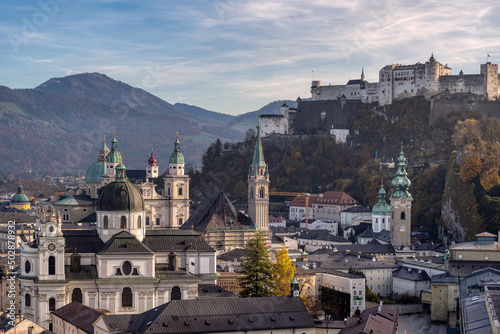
x: 58, y: 126
x: 249, y: 120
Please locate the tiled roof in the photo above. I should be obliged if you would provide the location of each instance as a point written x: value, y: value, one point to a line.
x: 124, y: 242
x: 163, y: 272
x: 383, y: 235
x: 176, y: 240
x: 217, y: 213
x: 473, y: 245
x: 78, y: 315
x: 236, y: 253
x: 87, y: 272
x: 323, y: 235
x: 373, y: 321
x: 366, y: 249
x: 213, y: 291
x: 83, y: 241
x: 215, y: 315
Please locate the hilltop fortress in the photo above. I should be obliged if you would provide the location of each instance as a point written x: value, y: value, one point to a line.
x: 398, y: 81
x: 331, y: 106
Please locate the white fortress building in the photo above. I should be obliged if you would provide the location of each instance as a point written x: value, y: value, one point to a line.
x: 398, y: 81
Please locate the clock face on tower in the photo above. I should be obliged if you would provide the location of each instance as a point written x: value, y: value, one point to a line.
x: 51, y: 247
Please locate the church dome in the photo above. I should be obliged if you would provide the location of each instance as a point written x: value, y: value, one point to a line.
x: 19, y: 197
x: 120, y: 195
x: 381, y: 207
x: 95, y: 172
x: 176, y: 157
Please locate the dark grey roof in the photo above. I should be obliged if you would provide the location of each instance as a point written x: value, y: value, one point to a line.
x: 78, y: 315
x: 355, y: 82
x: 358, y: 208
x: 83, y: 241
x: 366, y: 249
x: 411, y: 274
x: 124, y: 242
x: 272, y: 115
x: 136, y: 174
x: 384, y: 235
x: 360, y: 227
x: 236, y: 253
x: 87, y: 272
x: 213, y: 291
x: 475, y: 318
x: 428, y: 246
x: 215, y: 315
x: 323, y: 235
x: 92, y: 218
x: 341, y: 274
x: 163, y: 272
x: 120, y: 196
x: 217, y: 213
x: 176, y: 240
x: 445, y: 278
x: 368, y: 233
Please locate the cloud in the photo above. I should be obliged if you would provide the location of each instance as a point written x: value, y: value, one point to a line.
x: 218, y: 53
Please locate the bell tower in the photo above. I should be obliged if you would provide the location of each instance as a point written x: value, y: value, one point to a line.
x: 401, y: 206
x: 176, y: 189
x: 258, y: 187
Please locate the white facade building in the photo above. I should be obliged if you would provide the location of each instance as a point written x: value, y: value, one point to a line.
x: 344, y: 282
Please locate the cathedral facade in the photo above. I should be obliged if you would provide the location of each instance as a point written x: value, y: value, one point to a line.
x: 122, y: 266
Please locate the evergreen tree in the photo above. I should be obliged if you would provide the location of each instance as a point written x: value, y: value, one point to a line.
x: 283, y: 274
x: 257, y: 269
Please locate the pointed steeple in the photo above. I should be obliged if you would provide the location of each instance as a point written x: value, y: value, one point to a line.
x: 258, y: 153
x: 114, y: 156
x: 362, y: 74
x: 177, y: 157
x: 400, y: 183
x: 104, y: 147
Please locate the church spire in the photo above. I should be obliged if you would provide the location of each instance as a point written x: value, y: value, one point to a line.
x: 400, y: 183
x: 362, y: 74
x: 258, y: 154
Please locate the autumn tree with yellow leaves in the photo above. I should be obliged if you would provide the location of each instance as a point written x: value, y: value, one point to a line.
x: 283, y: 273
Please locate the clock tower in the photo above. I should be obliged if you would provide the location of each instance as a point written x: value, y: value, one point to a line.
x: 51, y: 245
x: 401, y: 206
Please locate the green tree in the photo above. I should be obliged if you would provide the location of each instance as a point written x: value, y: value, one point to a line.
x: 283, y: 274
x: 257, y: 269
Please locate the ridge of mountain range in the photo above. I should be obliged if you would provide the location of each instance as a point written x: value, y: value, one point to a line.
x: 58, y: 126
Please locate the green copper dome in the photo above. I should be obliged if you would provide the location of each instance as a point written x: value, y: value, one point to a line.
x: 114, y: 156
x: 401, y: 182
x: 176, y: 157
x: 95, y: 172
x: 20, y: 197
x: 381, y: 208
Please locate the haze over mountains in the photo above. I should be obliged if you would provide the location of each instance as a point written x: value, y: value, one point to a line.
x: 59, y: 125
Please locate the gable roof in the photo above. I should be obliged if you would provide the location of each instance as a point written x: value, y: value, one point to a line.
x: 79, y: 315
x: 124, y: 242
x: 176, y: 240
x: 215, y: 315
x: 218, y: 213
x: 411, y: 274
x: 82, y: 241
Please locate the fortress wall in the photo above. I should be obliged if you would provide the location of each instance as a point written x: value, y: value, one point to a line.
x: 481, y: 108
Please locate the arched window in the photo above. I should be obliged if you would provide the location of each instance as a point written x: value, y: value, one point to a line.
x: 261, y: 192
x: 251, y: 192
x: 180, y: 191
x: 403, y: 215
x: 27, y: 300
x: 123, y: 222
x: 76, y: 296
x: 139, y: 222
x: 52, y: 304
x: 127, y: 297
x: 147, y: 220
x: 176, y: 293
x: 52, y: 265
x: 106, y: 222
x: 65, y: 217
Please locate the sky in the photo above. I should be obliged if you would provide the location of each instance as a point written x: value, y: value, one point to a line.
x: 235, y: 56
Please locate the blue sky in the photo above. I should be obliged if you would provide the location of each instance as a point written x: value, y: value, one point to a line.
x: 235, y: 56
